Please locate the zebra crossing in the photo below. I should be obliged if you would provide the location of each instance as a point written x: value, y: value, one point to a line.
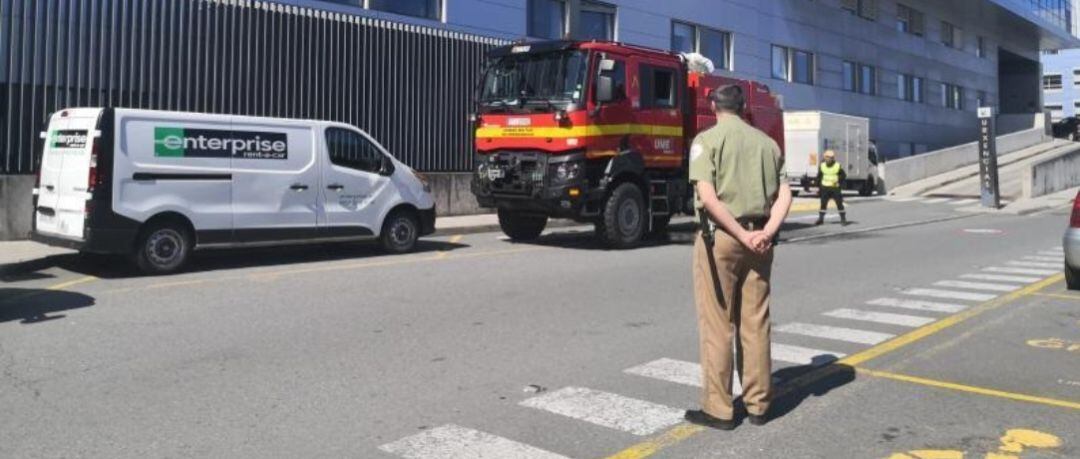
x: 939, y: 200
x: 910, y: 308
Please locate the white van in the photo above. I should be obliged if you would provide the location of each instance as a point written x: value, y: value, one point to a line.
x: 807, y: 134
x: 157, y: 185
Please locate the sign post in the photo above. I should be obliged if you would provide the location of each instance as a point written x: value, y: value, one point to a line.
x: 988, y: 166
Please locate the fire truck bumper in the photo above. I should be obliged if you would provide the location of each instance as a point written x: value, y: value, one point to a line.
x: 572, y: 201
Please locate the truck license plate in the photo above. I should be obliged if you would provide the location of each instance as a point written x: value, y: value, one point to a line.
x: 495, y: 174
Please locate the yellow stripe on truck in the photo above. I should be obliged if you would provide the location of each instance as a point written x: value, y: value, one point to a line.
x: 578, y: 131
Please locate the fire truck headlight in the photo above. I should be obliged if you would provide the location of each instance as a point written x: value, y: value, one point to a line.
x: 568, y: 171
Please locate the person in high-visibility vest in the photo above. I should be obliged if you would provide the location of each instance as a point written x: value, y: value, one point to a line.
x: 831, y: 176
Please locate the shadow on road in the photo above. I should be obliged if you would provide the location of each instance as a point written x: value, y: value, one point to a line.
x: 34, y: 305
x: 118, y: 267
x: 800, y: 382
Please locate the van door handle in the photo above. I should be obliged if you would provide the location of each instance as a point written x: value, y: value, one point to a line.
x: 298, y: 187
x: 335, y: 187
x: 50, y: 187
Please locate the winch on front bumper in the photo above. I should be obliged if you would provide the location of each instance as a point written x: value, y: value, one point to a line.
x: 536, y: 182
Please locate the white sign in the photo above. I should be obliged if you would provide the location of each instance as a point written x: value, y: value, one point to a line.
x: 986, y: 112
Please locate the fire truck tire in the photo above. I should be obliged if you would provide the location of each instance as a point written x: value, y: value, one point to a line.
x: 660, y: 224
x: 622, y: 224
x: 521, y: 227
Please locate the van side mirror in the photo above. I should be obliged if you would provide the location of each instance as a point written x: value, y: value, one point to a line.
x: 605, y: 89
x: 387, y: 167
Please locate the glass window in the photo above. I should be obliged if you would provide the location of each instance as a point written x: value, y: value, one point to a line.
x: 657, y: 87
x: 1056, y: 112
x: 683, y: 38
x: 715, y: 45
x: 910, y: 20
x: 618, y: 81
x: 946, y: 90
x: 779, y: 62
x: 1052, y: 82
x: 903, y: 87
x: 980, y: 99
x: 958, y: 98
x: 547, y: 19
x: 980, y: 47
x: 597, y: 21
x: 351, y: 149
x: 429, y: 9
x: 917, y: 90
x: 542, y: 78
x: 802, y: 67
x: 947, y: 34
x: 867, y: 80
x: 1076, y: 77
x: 850, y: 79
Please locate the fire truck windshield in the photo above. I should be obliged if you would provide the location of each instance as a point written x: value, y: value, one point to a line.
x: 542, y: 81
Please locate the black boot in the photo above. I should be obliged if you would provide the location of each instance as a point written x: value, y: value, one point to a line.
x: 820, y: 218
x: 843, y: 218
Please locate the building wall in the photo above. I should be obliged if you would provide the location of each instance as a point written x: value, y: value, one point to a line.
x: 1064, y: 63
x: 834, y: 35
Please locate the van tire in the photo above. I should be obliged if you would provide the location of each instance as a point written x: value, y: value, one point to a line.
x: 868, y: 187
x: 521, y: 227
x: 622, y: 225
x: 400, y: 231
x: 163, y: 247
x: 1072, y: 278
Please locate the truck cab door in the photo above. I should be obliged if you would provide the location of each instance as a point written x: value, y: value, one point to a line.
x: 354, y: 186
x: 659, y: 119
x: 615, y: 112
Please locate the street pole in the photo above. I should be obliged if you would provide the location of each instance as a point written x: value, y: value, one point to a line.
x: 988, y: 166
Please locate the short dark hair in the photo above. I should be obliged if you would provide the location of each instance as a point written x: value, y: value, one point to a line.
x: 728, y: 97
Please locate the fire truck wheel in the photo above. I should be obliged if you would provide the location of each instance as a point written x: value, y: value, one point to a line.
x: 623, y: 221
x: 521, y: 227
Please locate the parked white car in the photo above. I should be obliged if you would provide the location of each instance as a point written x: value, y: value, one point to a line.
x: 158, y: 185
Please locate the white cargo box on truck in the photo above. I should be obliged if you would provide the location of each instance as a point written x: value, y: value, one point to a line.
x: 157, y: 185
x: 807, y: 134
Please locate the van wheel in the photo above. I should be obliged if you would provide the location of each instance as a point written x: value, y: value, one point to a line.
x: 521, y: 227
x: 163, y: 248
x: 624, y: 219
x: 1072, y: 278
x: 868, y: 187
x: 400, y: 232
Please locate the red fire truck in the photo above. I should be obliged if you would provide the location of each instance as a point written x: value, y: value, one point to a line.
x: 597, y: 132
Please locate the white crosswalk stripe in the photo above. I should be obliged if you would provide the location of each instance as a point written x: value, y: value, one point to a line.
x: 918, y: 305
x: 614, y: 411
x: 903, y: 320
x: 1051, y: 253
x: 948, y: 294
x: 903, y: 199
x: 1028, y: 271
x: 1032, y: 264
x: 452, y: 442
x: 977, y: 286
x: 803, y: 355
x: 1002, y: 278
x: 837, y: 333
x: 936, y: 201
x: 679, y: 372
x: 1045, y: 259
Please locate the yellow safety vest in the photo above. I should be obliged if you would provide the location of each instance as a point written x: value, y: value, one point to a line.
x: 830, y: 175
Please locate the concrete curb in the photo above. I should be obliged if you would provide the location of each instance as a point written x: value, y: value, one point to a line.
x: 918, y: 189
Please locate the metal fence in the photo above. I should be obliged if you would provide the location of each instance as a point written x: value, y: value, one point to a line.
x: 411, y: 87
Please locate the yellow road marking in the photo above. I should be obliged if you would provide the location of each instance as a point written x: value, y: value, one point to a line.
x: 930, y: 329
x: 1058, y: 295
x: 60, y: 286
x: 929, y: 454
x: 81, y: 280
x: 651, y: 446
x: 453, y: 240
x: 971, y: 389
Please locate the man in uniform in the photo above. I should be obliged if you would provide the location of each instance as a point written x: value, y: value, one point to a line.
x: 742, y: 198
x: 830, y: 176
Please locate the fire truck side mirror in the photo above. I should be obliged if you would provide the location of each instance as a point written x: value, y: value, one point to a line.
x: 605, y: 89
x: 607, y: 65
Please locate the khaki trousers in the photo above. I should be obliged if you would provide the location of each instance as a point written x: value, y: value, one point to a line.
x: 731, y: 291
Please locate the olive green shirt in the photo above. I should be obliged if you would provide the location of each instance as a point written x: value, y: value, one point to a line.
x: 744, y: 164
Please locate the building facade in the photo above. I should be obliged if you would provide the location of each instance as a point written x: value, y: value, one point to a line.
x: 405, y: 69
x: 1061, y: 83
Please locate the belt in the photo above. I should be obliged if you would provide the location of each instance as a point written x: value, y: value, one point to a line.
x: 753, y: 223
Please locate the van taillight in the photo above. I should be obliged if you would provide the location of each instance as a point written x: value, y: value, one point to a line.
x: 1074, y: 222
x: 94, y: 179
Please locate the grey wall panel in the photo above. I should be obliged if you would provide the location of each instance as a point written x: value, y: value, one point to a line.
x: 409, y: 86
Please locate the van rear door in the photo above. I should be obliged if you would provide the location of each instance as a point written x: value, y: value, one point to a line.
x: 65, y: 173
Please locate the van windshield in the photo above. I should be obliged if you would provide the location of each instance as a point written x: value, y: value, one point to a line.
x: 541, y: 81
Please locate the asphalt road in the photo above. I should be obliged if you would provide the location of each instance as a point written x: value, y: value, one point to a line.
x: 477, y: 347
